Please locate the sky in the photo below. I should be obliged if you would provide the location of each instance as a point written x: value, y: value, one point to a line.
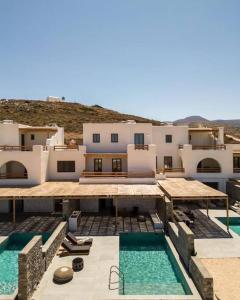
x: 160, y: 59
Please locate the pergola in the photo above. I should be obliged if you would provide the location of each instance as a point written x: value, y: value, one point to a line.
x: 181, y: 189
x: 74, y: 190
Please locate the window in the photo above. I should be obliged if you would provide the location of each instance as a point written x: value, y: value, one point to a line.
x: 168, y: 138
x: 116, y: 165
x: 97, y: 165
x: 167, y: 162
x: 114, y: 138
x: 66, y: 166
x: 96, y: 138
x: 139, y: 138
x: 236, y: 162
x: 32, y: 137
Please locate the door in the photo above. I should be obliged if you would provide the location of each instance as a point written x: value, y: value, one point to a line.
x: 22, y: 140
x: 97, y: 165
x: 105, y: 205
x: 116, y: 165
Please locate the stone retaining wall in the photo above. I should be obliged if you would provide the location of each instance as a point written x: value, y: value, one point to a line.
x: 202, y: 278
x: 164, y: 208
x: 183, y: 240
x: 50, y: 248
x: 31, y: 268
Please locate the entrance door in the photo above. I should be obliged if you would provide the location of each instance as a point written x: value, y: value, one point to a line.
x: 105, y: 205
x: 97, y: 165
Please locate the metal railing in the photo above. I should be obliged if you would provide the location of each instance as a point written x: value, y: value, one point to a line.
x: 141, y: 147
x: 150, y: 174
x: 13, y: 176
x: 208, y: 170
x: 121, y: 278
x: 65, y: 147
x: 171, y: 170
x: 15, y: 148
x: 205, y: 147
x: 236, y: 170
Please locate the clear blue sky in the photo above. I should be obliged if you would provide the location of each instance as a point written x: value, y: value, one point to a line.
x: 159, y: 59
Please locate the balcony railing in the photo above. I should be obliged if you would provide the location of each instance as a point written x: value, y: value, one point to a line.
x: 119, y: 174
x: 208, y: 170
x: 236, y: 170
x: 13, y: 176
x: 65, y: 147
x: 141, y: 147
x: 204, y: 147
x: 16, y: 148
x: 171, y: 170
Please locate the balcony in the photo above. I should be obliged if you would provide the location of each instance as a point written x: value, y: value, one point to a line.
x: 205, y: 147
x: 236, y: 170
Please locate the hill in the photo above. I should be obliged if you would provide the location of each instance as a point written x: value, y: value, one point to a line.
x: 69, y: 115
x: 232, y: 127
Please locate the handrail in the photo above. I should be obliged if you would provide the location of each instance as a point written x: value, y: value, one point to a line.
x: 236, y: 170
x: 150, y: 174
x: 13, y: 176
x: 119, y: 273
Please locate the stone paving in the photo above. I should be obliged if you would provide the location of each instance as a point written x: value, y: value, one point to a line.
x: 106, y: 225
x: 30, y: 224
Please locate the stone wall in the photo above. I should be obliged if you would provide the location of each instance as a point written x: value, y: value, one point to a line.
x: 50, y: 248
x: 183, y: 240
x: 31, y: 268
x: 164, y: 208
x: 202, y: 279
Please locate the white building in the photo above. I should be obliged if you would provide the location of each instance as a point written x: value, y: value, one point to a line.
x: 113, y: 153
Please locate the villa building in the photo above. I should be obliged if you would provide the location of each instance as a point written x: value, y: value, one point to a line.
x: 125, y: 153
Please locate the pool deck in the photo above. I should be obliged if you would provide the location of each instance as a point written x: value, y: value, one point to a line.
x: 222, y: 247
x: 89, y: 284
x: 92, y: 282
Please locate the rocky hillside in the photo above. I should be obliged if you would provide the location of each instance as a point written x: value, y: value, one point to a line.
x: 69, y: 115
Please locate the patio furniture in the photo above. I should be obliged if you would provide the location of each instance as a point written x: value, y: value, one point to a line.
x: 77, y: 264
x: 63, y: 275
x: 69, y: 249
x: 141, y: 218
x: 180, y: 216
x: 82, y: 241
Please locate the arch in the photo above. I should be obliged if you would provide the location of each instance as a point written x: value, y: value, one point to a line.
x: 208, y: 165
x: 13, y: 170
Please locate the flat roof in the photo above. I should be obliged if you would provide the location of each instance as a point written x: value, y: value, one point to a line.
x: 67, y: 190
x: 202, y: 129
x: 189, y: 189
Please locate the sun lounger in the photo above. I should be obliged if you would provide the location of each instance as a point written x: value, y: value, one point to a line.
x: 82, y: 241
x: 69, y: 249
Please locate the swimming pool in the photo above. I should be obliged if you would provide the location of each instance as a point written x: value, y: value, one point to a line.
x: 9, y: 251
x: 149, y: 266
x: 234, y: 223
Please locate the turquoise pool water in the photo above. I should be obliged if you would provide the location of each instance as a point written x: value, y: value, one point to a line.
x: 149, y: 266
x: 234, y: 223
x: 9, y: 260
